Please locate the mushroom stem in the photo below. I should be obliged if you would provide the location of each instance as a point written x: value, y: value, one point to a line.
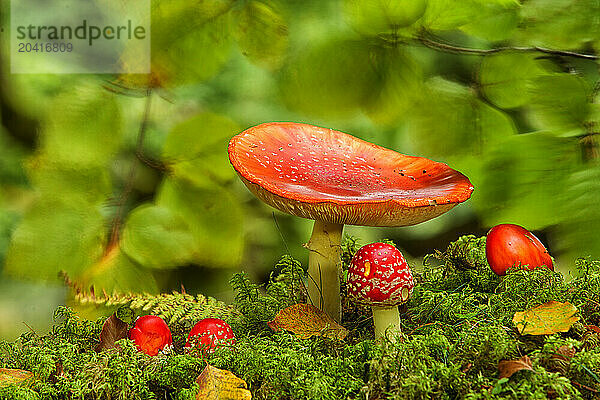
x: 387, y: 322
x: 324, y: 268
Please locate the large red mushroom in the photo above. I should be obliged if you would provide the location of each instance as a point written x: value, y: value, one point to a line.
x: 334, y: 179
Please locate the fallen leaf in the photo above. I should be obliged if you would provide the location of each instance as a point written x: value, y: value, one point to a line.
x: 566, y: 352
x: 219, y: 384
x: 546, y: 319
x: 306, y: 320
x: 560, y: 360
x: 14, y: 376
x: 507, y: 368
x: 112, y: 330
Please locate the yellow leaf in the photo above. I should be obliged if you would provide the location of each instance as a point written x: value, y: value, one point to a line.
x: 546, y: 319
x: 13, y: 376
x: 306, y: 320
x: 219, y: 384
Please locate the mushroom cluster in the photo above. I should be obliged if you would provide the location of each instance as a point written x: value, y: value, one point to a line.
x: 152, y: 336
x: 335, y: 179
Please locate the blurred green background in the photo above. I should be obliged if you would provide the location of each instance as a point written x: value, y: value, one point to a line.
x: 119, y: 191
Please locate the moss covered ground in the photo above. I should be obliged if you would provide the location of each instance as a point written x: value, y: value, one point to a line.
x: 456, y: 329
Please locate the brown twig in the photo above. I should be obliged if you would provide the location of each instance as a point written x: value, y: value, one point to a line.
x: 581, y: 385
x: 122, y: 200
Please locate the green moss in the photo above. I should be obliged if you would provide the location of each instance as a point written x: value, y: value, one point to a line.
x: 457, y: 327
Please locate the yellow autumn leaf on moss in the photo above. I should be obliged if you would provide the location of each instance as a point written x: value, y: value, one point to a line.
x: 13, y: 376
x: 219, y: 384
x: 306, y: 320
x: 546, y: 319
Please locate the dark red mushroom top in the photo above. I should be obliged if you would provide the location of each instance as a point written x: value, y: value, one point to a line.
x: 331, y: 176
x: 151, y: 335
x: 209, y: 333
x: 379, y: 276
x: 509, y: 245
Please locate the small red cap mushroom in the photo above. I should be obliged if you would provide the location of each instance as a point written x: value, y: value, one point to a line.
x: 151, y: 335
x: 507, y: 245
x: 379, y: 276
x: 208, y: 334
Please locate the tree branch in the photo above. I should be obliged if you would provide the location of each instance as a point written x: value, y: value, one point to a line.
x: 122, y: 200
x: 449, y: 48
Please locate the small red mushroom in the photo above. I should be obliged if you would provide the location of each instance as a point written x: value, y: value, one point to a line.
x: 208, y: 334
x: 508, y: 245
x: 379, y: 276
x: 151, y: 335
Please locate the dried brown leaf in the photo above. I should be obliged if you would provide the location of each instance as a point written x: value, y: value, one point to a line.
x: 306, y: 320
x: 546, y: 319
x: 507, y: 368
x: 14, y: 376
x: 219, y: 384
x: 112, y: 330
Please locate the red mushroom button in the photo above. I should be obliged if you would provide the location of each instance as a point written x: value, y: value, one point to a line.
x: 509, y: 245
x: 151, y: 335
x: 336, y: 179
x: 208, y: 334
x: 379, y: 276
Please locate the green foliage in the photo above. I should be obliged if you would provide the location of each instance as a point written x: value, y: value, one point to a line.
x: 69, y: 228
x: 496, y: 20
x: 157, y: 238
x: 401, y: 87
x: 319, y: 80
x: 457, y: 328
x: 526, y: 172
x: 281, y: 366
x: 11, y: 158
x: 176, y: 307
x: 506, y: 78
x: 578, y: 233
x: 452, y: 122
x: 194, y: 149
x: 204, y: 209
x: 463, y: 262
x: 560, y: 23
x: 83, y: 128
x: 375, y: 17
x: 262, y: 33
x: 55, y: 236
x: 283, y: 290
x: 560, y: 103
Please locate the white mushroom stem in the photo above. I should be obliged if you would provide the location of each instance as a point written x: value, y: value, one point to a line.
x: 387, y: 322
x: 324, y: 266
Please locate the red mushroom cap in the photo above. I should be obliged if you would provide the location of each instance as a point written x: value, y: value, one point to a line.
x: 507, y: 245
x: 326, y: 175
x: 209, y: 333
x: 379, y: 276
x: 151, y: 335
